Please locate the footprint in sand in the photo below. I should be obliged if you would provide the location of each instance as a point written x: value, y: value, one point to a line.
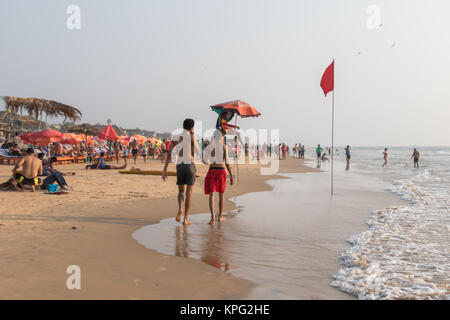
x: 161, y: 269
x: 137, y: 282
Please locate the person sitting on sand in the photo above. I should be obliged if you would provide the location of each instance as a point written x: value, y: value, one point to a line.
x: 52, y: 174
x: 216, y: 178
x: 101, y: 165
x: 31, y: 169
x: 385, y: 155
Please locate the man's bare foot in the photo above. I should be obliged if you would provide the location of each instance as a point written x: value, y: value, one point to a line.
x: 221, y: 218
x: 213, y: 219
x: 179, y: 214
x: 186, y: 222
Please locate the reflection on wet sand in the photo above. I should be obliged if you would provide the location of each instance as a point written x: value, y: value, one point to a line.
x: 211, y: 248
x: 287, y: 240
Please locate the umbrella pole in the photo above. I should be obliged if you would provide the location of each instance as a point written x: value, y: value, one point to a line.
x: 236, y: 150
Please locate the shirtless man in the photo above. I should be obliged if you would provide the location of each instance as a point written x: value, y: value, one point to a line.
x: 385, y: 155
x: 116, y: 147
x: 216, y: 179
x: 186, y: 174
x: 31, y: 169
x: 59, y: 150
x: 416, y: 156
x: 134, y: 149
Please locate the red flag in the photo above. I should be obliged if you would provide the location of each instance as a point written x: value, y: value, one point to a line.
x: 327, y: 82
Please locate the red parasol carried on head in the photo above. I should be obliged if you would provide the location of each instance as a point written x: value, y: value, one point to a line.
x: 227, y: 111
x: 242, y: 108
x: 45, y: 137
x: 107, y: 133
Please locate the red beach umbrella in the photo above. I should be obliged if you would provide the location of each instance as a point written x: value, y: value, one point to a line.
x: 108, y: 133
x: 70, y: 140
x: 46, y: 137
x: 26, y: 138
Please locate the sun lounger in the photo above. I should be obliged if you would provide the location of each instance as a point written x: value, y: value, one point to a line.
x: 5, y: 158
x: 65, y: 160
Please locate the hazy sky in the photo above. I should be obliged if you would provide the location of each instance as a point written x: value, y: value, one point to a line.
x: 151, y: 63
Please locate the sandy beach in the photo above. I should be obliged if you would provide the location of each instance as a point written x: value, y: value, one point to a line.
x: 91, y: 227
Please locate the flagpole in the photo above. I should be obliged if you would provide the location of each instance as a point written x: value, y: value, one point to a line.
x: 332, y: 140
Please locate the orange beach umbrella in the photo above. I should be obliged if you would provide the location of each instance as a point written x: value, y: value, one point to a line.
x: 242, y: 108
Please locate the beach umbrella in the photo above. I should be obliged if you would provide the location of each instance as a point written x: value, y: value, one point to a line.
x: 227, y: 111
x: 108, y: 133
x: 70, y: 140
x: 139, y: 138
x: 124, y: 140
x: 72, y: 135
x: 26, y: 138
x: 242, y: 108
x: 46, y: 137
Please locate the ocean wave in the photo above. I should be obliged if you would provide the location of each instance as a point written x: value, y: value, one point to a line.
x: 404, y: 253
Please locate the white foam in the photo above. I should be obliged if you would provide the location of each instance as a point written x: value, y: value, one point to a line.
x: 404, y: 253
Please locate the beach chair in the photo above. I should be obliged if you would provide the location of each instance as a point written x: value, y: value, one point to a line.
x: 5, y: 158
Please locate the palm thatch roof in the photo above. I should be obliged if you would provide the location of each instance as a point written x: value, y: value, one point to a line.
x: 35, y: 107
x: 84, y: 128
x: 13, y: 120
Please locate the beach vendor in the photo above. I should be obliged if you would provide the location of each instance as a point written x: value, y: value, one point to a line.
x: 216, y: 178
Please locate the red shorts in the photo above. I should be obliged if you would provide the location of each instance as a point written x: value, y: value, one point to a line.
x: 216, y: 181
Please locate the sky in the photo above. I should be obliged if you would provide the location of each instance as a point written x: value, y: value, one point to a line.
x: 152, y: 63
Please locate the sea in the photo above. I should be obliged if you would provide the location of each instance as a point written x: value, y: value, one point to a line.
x: 404, y: 253
x: 296, y: 242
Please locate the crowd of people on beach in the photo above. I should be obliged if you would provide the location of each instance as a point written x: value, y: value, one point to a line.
x: 37, y: 170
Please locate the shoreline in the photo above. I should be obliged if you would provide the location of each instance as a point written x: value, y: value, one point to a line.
x: 39, y: 247
x: 327, y: 222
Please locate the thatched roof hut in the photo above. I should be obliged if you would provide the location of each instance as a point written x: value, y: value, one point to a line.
x: 84, y: 128
x: 36, y: 107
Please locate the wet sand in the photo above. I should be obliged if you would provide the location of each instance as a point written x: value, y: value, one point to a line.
x: 42, y: 235
x: 287, y: 241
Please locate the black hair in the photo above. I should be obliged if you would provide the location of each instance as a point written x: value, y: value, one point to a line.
x: 102, y: 154
x: 30, y: 151
x: 188, y: 124
x: 41, y: 155
x: 53, y: 159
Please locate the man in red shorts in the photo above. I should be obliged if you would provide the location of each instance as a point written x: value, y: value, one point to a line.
x: 216, y: 179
